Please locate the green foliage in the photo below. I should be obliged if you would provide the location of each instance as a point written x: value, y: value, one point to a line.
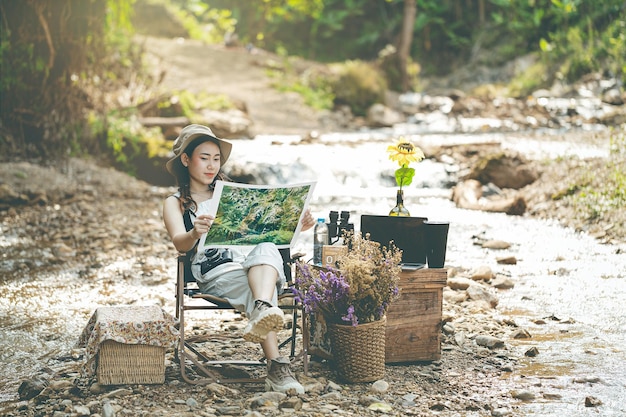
x: 60, y: 58
x: 587, y: 38
x: 389, y: 63
x: 192, y: 102
x: 586, y: 35
x: 205, y: 23
x: 126, y: 143
x: 359, y: 85
x: 54, y: 54
x: 313, y: 85
x: 404, y: 176
x: 535, y: 77
x: 599, y: 193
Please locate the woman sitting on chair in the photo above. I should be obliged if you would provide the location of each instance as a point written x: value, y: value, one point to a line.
x: 251, y: 282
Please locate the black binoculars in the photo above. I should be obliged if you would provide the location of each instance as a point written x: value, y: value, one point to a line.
x: 339, y: 225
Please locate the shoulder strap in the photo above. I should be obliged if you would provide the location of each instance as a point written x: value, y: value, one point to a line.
x: 187, y: 220
x: 188, y: 226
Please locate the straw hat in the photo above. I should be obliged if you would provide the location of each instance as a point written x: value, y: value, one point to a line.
x: 187, y: 135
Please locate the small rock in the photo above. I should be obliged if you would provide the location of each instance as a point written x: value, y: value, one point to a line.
x: 496, y: 244
x: 291, y: 403
x: 229, y: 410
x: 379, y: 387
x: 333, y: 386
x: 459, y: 283
x: 61, y: 250
x: 454, y: 297
x: 82, y: 410
x: 448, y: 328
x: 459, y: 338
x: 489, y: 341
x: 366, y: 400
x: 521, y: 334
x: 61, y: 385
x: 592, y: 402
x: 108, y: 410
x: 479, y: 293
x: 121, y: 392
x: 248, y: 414
x: 502, y: 283
x: 313, y: 386
x: 532, y: 352
x: 482, y: 273
x: 408, y: 400
x: 261, y: 402
x: 333, y: 395
x: 380, y: 407
x: 587, y: 380
x: 274, y: 396
x: 507, y: 260
x: 221, y: 390
x: 96, y: 389
x: 523, y: 395
x: 31, y: 388
x: 500, y: 412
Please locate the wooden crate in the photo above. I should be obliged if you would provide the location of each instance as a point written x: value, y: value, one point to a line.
x: 120, y: 364
x: 414, y: 320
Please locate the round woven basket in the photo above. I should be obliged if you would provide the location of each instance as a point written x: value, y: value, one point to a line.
x: 359, y: 351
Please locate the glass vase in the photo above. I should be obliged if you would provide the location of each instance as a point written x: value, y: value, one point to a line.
x: 399, y: 210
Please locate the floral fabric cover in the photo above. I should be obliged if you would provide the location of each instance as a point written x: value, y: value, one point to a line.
x: 131, y: 325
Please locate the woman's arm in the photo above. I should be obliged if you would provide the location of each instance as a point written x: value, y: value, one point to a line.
x: 173, y: 218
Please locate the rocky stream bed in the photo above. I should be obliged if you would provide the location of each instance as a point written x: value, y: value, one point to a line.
x: 79, y: 236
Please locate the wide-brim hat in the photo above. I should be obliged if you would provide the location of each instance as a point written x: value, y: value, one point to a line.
x: 186, y: 137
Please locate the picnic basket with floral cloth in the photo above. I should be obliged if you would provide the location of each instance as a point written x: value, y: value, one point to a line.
x: 126, y: 345
x: 352, y: 299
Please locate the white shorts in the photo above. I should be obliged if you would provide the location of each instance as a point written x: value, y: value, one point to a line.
x: 230, y: 280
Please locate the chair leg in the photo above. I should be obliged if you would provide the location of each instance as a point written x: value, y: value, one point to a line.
x: 305, y: 343
x: 294, y: 330
x: 305, y: 340
x: 186, y: 352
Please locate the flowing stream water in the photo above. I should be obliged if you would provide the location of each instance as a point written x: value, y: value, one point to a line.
x: 560, y: 274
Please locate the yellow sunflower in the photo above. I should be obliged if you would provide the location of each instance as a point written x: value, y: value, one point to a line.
x: 404, y: 152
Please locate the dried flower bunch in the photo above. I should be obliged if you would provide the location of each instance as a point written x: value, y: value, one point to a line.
x: 360, y: 290
x: 404, y: 152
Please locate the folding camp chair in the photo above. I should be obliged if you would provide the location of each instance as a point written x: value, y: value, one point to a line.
x: 189, y: 298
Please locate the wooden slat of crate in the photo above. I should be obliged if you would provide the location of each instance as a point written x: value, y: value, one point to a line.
x: 414, y: 320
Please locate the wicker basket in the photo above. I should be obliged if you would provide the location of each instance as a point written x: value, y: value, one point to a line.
x: 120, y: 363
x: 359, y: 351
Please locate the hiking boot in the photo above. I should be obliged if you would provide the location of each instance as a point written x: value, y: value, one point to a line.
x: 264, y: 318
x: 279, y: 377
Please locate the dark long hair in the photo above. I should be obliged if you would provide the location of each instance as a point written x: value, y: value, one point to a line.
x: 184, y: 180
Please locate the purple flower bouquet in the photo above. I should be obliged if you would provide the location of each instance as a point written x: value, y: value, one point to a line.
x: 359, y: 291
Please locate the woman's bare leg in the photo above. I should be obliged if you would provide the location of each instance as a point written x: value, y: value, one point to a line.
x: 262, y: 281
x: 270, y: 346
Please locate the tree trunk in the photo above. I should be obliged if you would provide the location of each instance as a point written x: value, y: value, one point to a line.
x: 481, y: 12
x: 406, y: 36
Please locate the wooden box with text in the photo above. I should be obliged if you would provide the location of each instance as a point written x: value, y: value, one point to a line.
x: 414, y: 320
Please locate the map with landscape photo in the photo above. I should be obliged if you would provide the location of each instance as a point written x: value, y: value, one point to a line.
x: 250, y: 214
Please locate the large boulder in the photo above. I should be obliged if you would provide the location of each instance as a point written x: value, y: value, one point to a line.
x: 505, y: 171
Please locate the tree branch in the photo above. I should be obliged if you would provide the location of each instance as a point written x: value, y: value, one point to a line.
x: 44, y: 24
